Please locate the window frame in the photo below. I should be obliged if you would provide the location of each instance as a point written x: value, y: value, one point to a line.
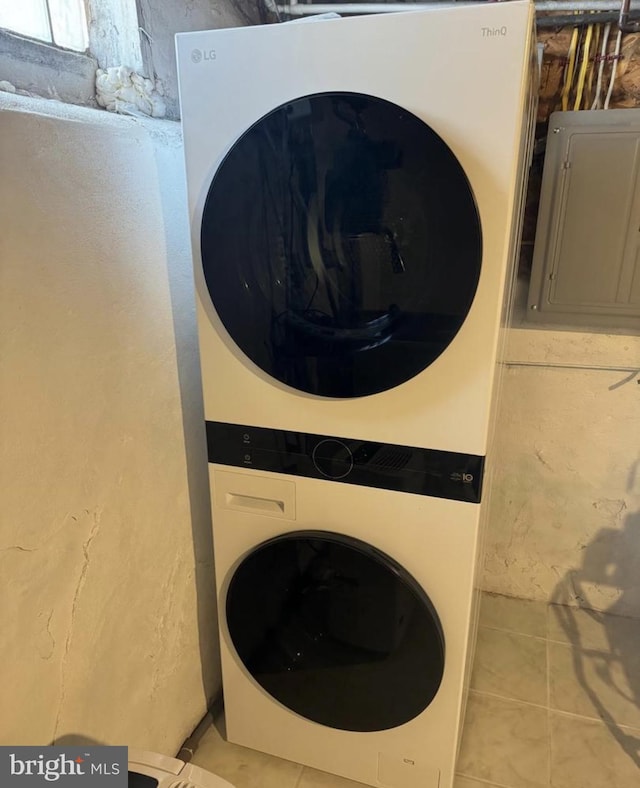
x: 28, y: 64
x: 69, y: 76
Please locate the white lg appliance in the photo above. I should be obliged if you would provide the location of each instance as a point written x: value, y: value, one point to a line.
x: 352, y: 186
x: 353, y: 192
x: 344, y: 621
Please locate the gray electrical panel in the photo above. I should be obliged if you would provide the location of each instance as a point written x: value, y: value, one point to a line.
x: 586, y: 261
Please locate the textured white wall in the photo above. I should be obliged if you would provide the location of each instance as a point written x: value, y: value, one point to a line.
x: 107, y: 607
x: 564, y: 520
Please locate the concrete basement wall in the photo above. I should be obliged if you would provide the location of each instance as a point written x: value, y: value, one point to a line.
x: 564, y: 518
x: 108, y: 615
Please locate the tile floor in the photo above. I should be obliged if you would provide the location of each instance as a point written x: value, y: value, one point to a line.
x: 555, y: 702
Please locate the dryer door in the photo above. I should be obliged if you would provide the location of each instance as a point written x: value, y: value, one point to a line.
x: 336, y: 631
x: 341, y: 244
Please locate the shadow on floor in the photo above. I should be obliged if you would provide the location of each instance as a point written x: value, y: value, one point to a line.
x: 610, y: 560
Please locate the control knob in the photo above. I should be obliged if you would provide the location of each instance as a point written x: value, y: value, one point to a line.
x: 332, y: 458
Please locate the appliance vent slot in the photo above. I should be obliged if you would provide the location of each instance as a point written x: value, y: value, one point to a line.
x: 183, y: 784
x: 391, y: 458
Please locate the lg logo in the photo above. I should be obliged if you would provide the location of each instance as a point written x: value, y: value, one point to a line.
x: 465, y: 478
x: 198, y: 55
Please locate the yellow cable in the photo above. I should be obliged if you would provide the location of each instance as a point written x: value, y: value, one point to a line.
x: 592, y: 69
x: 583, y: 67
x: 569, y: 72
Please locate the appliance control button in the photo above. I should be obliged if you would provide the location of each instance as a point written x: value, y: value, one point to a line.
x: 332, y: 458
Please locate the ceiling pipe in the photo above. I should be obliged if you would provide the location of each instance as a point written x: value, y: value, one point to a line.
x: 579, y: 20
x: 542, y: 6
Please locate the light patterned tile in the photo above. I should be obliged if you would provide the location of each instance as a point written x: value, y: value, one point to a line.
x: 595, y: 684
x: 242, y: 767
x: 589, y: 754
x: 510, y: 665
x: 312, y: 778
x: 523, y: 616
x: 590, y: 629
x: 505, y: 742
x: 467, y: 782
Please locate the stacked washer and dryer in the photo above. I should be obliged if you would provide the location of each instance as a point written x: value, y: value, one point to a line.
x: 354, y: 188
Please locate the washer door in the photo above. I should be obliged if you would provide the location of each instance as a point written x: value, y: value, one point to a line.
x: 336, y: 631
x: 341, y: 244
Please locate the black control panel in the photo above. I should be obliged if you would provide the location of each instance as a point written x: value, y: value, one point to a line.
x: 441, y: 474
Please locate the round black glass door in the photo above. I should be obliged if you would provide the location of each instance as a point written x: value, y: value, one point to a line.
x: 341, y: 244
x: 336, y: 631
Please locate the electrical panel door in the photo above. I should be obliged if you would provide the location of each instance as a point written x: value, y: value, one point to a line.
x: 586, y: 264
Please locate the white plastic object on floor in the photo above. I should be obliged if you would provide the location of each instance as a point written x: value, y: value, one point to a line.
x: 171, y: 772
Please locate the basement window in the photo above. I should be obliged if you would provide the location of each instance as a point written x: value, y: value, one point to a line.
x: 59, y: 22
x: 46, y: 48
